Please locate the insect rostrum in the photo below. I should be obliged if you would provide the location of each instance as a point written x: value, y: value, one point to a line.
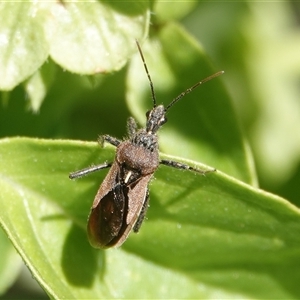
x: 122, y: 200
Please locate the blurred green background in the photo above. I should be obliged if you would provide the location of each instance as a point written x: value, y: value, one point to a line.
x: 256, y: 43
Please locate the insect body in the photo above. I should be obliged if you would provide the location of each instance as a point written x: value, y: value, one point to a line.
x: 122, y: 200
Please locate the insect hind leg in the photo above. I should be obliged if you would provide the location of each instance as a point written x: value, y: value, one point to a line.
x: 182, y: 166
x: 142, y: 215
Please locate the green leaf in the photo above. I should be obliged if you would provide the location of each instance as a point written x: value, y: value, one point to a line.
x: 202, y: 126
x: 214, y: 236
x: 96, y: 36
x: 10, y: 263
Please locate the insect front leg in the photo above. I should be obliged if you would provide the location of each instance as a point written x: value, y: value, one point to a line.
x: 178, y: 165
x: 131, y: 126
x: 109, y: 139
x: 103, y: 138
x: 88, y: 170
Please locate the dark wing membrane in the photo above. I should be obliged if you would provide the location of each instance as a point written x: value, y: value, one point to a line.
x: 107, y: 218
x: 115, y: 213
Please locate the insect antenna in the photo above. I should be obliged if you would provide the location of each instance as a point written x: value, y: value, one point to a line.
x: 148, y: 74
x: 192, y: 88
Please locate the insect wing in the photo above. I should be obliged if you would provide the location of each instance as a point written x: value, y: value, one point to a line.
x: 137, y: 195
x: 116, y: 209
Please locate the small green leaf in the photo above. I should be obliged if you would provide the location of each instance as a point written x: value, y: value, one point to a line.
x: 38, y: 84
x: 214, y: 236
x: 23, y: 46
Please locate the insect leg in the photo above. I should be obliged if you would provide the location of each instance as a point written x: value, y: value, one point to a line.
x: 88, y: 170
x: 178, y: 165
x: 109, y: 139
x: 142, y: 215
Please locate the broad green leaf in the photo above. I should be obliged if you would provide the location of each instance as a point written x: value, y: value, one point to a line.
x: 23, y: 46
x: 202, y: 126
x: 10, y: 263
x: 211, y: 237
x: 257, y: 44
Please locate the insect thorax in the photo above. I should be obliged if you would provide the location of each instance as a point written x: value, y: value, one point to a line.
x: 140, y: 153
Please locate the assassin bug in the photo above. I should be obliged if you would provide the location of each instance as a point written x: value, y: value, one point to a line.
x: 122, y: 200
